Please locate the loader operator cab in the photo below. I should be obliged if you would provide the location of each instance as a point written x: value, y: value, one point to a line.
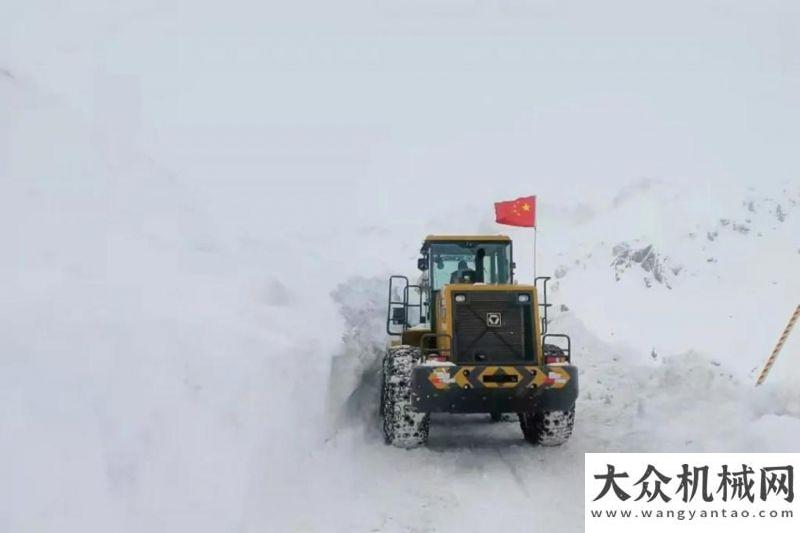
x: 467, y: 261
x: 445, y: 260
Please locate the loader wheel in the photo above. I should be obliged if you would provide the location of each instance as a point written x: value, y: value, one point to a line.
x: 402, y: 425
x: 496, y: 416
x: 547, y: 428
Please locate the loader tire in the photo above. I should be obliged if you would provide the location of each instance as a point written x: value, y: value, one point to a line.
x: 547, y: 428
x: 403, y: 427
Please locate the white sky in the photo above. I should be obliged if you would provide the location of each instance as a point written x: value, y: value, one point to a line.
x: 381, y: 101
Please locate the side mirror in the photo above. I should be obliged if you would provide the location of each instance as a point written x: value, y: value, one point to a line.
x: 398, y: 316
x: 422, y: 263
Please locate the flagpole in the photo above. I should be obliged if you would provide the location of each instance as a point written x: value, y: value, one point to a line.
x: 535, y: 235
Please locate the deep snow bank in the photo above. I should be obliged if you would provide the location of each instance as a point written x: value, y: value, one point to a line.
x: 145, y: 346
x: 355, y: 371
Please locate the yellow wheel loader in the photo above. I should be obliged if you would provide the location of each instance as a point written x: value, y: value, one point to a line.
x: 468, y: 339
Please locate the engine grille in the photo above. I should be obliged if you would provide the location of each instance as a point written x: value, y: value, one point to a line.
x: 476, y: 341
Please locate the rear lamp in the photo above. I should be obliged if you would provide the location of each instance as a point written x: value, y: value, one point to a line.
x: 461, y: 298
x: 523, y: 298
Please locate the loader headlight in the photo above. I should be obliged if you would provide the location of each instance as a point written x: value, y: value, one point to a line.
x: 523, y: 298
x: 460, y: 298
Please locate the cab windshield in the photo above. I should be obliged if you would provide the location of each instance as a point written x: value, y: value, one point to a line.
x: 470, y: 262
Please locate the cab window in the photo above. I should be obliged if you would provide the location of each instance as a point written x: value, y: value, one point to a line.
x: 478, y: 262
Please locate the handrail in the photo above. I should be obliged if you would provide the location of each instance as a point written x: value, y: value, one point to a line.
x: 562, y: 336
x: 544, y: 305
x: 393, y: 303
x: 402, y: 303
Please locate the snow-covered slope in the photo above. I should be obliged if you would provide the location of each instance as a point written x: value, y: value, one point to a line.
x: 199, y: 208
x: 714, y: 265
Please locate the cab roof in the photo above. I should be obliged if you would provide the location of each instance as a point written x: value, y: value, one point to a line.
x: 468, y: 238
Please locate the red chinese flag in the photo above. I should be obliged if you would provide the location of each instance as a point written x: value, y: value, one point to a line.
x: 519, y: 212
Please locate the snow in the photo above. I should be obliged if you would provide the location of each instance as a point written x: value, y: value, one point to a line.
x: 434, y: 363
x: 200, y: 208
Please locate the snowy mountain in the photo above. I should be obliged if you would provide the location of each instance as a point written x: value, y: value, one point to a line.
x: 200, y: 207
